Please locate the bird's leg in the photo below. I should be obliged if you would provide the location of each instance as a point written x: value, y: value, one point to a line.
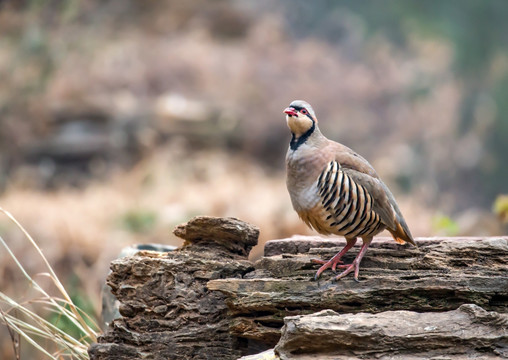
x: 334, y: 260
x: 355, y: 265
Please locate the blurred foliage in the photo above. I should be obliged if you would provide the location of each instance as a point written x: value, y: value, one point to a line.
x: 139, y: 221
x: 74, y: 60
x: 444, y: 225
x: 45, y: 33
x: 476, y: 30
x: 501, y: 208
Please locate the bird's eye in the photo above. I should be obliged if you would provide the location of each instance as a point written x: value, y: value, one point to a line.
x: 304, y: 112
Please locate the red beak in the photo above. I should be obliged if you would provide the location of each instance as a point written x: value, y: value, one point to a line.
x: 290, y: 111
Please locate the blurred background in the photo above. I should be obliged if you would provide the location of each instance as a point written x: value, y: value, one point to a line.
x: 122, y: 119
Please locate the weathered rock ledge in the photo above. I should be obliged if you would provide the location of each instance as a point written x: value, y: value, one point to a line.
x: 468, y: 332
x: 167, y: 310
x: 206, y: 301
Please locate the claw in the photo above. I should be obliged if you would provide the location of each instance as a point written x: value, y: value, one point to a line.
x: 325, y: 265
x: 355, y: 265
x: 348, y: 268
x: 334, y: 260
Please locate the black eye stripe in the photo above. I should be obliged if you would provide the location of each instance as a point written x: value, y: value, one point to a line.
x: 300, y: 108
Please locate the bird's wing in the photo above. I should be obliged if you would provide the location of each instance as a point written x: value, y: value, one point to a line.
x: 383, y: 204
x: 348, y: 159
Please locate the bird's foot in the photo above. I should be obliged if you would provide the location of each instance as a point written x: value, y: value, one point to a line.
x: 334, y: 260
x: 355, y: 265
x: 326, y: 264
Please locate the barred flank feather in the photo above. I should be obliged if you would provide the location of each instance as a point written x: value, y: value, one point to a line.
x: 348, y: 205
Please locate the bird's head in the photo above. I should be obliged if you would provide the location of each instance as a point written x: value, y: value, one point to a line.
x: 300, y: 117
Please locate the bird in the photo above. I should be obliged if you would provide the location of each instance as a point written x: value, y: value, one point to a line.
x: 335, y: 191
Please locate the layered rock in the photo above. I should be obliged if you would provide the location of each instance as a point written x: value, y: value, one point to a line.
x: 207, y: 301
x: 440, y: 275
x: 167, y: 310
x: 468, y: 332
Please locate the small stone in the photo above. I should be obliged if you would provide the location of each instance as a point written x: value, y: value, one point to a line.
x: 126, y: 310
x: 234, y: 235
x: 161, y: 309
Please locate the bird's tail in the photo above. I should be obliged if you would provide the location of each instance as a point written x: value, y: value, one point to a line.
x: 401, y: 234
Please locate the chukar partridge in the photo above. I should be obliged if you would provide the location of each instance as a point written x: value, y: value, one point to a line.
x: 336, y: 191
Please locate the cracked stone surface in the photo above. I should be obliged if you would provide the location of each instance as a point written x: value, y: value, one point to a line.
x: 207, y: 301
x: 440, y: 275
x: 469, y: 332
x: 167, y: 312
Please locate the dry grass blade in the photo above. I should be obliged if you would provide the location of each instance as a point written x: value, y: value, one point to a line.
x: 14, y: 336
x: 27, y: 337
x: 32, y: 327
x: 44, y: 328
x: 57, y: 282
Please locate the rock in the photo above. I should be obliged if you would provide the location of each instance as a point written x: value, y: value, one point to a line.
x: 110, y: 305
x: 439, y: 275
x: 167, y: 310
x: 265, y: 355
x: 468, y: 332
x: 236, y: 236
x: 207, y: 301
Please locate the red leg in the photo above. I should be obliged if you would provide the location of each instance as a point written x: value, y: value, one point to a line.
x: 334, y: 260
x: 355, y: 265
